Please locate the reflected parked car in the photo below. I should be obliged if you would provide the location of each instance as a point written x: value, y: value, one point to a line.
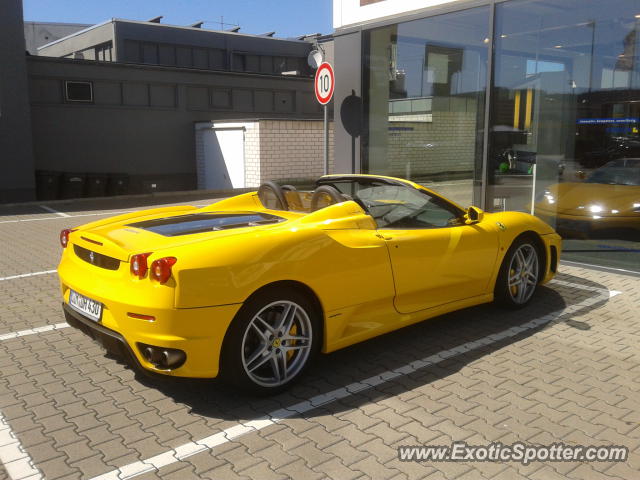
x: 609, y: 199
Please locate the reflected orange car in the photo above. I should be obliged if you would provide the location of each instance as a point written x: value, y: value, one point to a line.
x: 609, y: 199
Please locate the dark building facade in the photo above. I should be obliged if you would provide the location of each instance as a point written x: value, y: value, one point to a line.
x: 16, y: 155
x: 139, y: 120
x: 530, y: 105
x: 154, y: 43
x: 118, y: 102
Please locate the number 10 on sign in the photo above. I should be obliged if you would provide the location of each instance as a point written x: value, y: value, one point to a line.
x: 324, y: 85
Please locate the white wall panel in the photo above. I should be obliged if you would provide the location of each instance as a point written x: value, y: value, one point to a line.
x: 351, y: 12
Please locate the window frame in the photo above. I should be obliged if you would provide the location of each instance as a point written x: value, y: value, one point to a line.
x: 440, y: 202
x: 448, y: 205
x: 83, y: 82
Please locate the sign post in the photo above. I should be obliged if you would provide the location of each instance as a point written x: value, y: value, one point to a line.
x: 324, y: 86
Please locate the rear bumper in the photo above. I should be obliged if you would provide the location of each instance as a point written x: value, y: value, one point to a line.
x: 199, y: 332
x: 112, y: 341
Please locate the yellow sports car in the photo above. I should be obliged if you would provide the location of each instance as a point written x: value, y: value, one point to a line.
x: 608, y: 200
x: 252, y: 287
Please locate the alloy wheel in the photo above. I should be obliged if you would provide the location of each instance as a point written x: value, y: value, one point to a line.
x: 276, y: 343
x: 523, y: 273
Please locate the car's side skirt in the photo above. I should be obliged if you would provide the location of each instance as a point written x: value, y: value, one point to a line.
x: 360, y: 328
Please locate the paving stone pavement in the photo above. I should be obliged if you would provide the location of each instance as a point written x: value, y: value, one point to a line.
x: 574, y: 378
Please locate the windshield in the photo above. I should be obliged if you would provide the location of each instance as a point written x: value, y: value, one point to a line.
x: 399, y: 206
x: 618, y: 172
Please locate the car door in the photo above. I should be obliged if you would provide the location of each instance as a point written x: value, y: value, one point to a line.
x: 436, y: 258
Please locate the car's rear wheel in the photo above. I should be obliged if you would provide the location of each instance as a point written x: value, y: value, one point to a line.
x: 519, y: 274
x: 271, y: 341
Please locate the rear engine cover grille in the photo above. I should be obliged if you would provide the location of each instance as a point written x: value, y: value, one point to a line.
x: 205, y: 222
x: 97, y: 259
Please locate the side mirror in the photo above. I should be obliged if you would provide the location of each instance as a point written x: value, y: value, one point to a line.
x: 474, y: 215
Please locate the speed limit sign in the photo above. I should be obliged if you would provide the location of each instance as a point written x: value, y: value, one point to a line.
x: 325, y: 82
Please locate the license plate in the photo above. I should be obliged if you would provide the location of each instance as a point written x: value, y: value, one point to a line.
x: 88, y: 307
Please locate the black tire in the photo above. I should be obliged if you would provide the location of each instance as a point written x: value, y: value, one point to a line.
x: 243, y: 341
x: 515, y: 296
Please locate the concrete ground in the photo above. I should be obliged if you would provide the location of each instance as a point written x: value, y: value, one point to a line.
x: 564, y: 369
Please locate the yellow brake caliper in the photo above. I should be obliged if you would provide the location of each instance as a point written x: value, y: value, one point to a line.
x: 292, y: 332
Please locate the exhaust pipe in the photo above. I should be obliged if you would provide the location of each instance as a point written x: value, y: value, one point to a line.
x: 162, y: 358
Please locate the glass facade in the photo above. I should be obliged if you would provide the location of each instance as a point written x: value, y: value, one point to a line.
x: 426, y: 84
x: 564, y: 115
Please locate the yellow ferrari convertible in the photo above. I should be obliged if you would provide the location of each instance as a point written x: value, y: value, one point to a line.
x: 252, y: 287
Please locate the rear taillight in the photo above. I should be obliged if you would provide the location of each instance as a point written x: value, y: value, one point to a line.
x: 161, y: 269
x: 64, y: 236
x: 138, y: 264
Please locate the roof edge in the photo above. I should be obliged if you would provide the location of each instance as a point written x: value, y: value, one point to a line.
x: 75, y: 34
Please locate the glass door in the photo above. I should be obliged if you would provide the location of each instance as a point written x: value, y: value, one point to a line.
x: 425, y: 83
x: 533, y: 108
x: 564, y: 139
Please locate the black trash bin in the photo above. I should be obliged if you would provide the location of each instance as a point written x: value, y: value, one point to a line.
x: 96, y: 185
x: 72, y: 185
x: 118, y: 184
x: 47, y: 185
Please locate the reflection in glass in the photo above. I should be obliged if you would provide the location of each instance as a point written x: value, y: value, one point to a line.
x: 424, y: 90
x: 565, y: 109
x: 605, y: 205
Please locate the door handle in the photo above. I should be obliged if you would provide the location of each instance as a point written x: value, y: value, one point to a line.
x: 379, y: 235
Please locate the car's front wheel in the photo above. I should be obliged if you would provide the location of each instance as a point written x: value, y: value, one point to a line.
x: 519, y: 274
x: 271, y: 341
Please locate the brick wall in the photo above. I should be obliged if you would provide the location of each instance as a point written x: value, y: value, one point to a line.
x: 252, y: 155
x: 286, y: 151
x: 424, y: 149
